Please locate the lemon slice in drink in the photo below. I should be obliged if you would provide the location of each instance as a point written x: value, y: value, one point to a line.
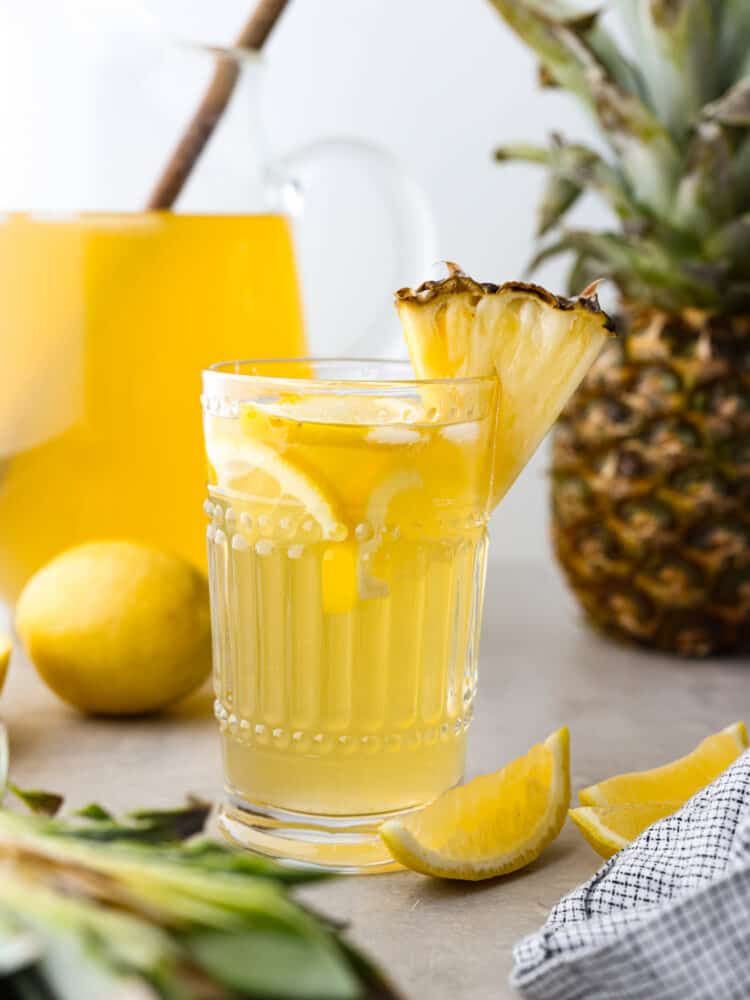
x: 256, y: 474
x: 257, y: 470
x: 378, y: 515
x: 610, y: 828
x: 674, y: 782
x: 539, y: 344
x: 495, y: 824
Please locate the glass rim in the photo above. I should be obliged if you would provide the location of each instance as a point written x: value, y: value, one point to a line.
x: 228, y: 369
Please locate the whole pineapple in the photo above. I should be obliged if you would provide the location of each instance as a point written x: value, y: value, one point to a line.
x: 651, y: 459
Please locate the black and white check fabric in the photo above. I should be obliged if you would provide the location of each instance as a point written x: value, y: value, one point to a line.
x: 668, y: 918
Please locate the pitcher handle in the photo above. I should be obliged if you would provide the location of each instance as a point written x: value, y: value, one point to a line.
x: 360, y: 206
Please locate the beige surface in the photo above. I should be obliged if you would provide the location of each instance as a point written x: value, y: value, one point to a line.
x: 540, y: 668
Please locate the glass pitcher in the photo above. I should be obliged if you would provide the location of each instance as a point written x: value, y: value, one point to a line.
x: 109, y: 311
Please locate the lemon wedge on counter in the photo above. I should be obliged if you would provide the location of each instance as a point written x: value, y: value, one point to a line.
x: 610, y: 828
x: 616, y: 811
x: 493, y: 825
x: 674, y: 782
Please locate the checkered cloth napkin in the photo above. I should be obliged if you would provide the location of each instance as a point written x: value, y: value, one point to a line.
x: 668, y: 918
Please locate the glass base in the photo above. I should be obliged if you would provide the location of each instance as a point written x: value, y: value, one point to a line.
x: 349, y: 845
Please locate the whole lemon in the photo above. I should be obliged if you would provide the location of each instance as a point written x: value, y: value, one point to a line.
x: 117, y: 628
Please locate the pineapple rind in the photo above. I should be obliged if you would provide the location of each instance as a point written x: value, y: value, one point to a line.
x: 651, y: 484
x: 458, y: 282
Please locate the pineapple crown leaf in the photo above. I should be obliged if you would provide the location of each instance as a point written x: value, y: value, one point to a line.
x: 639, y: 266
x: 583, y: 273
x: 704, y: 195
x: 560, y: 194
x: 585, y: 170
x: 733, y: 107
x: 632, y: 129
x: 730, y: 242
x: 734, y: 31
x: 678, y: 42
x: 586, y: 25
x: 581, y: 166
x: 677, y: 174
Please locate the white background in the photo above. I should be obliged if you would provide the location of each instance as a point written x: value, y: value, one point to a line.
x: 439, y: 83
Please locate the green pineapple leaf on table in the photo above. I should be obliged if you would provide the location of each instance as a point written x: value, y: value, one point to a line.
x: 651, y: 459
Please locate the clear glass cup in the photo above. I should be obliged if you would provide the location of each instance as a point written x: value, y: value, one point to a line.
x: 347, y: 506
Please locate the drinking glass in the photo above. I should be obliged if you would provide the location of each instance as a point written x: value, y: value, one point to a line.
x: 347, y: 509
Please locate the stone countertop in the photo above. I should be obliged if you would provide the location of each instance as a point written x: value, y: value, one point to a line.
x: 539, y: 668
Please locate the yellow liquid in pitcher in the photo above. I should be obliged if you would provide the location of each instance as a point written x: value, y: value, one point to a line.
x: 107, y: 321
x: 347, y: 564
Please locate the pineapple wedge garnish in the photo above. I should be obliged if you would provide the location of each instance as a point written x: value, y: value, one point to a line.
x: 539, y: 344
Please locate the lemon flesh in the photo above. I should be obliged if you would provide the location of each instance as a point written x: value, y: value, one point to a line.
x: 117, y: 628
x: 255, y: 469
x: 247, y: 464
x: 674, y: 782
x: 495, y: 824
x: 539, y: 345
x: 610, y: 828
x: 6, y: 648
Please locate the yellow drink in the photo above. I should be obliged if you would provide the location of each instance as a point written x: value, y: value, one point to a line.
x: 106, y: 323
x: 347, y: 555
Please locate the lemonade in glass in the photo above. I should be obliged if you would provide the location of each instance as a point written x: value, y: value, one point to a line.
x: 347, y: 545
